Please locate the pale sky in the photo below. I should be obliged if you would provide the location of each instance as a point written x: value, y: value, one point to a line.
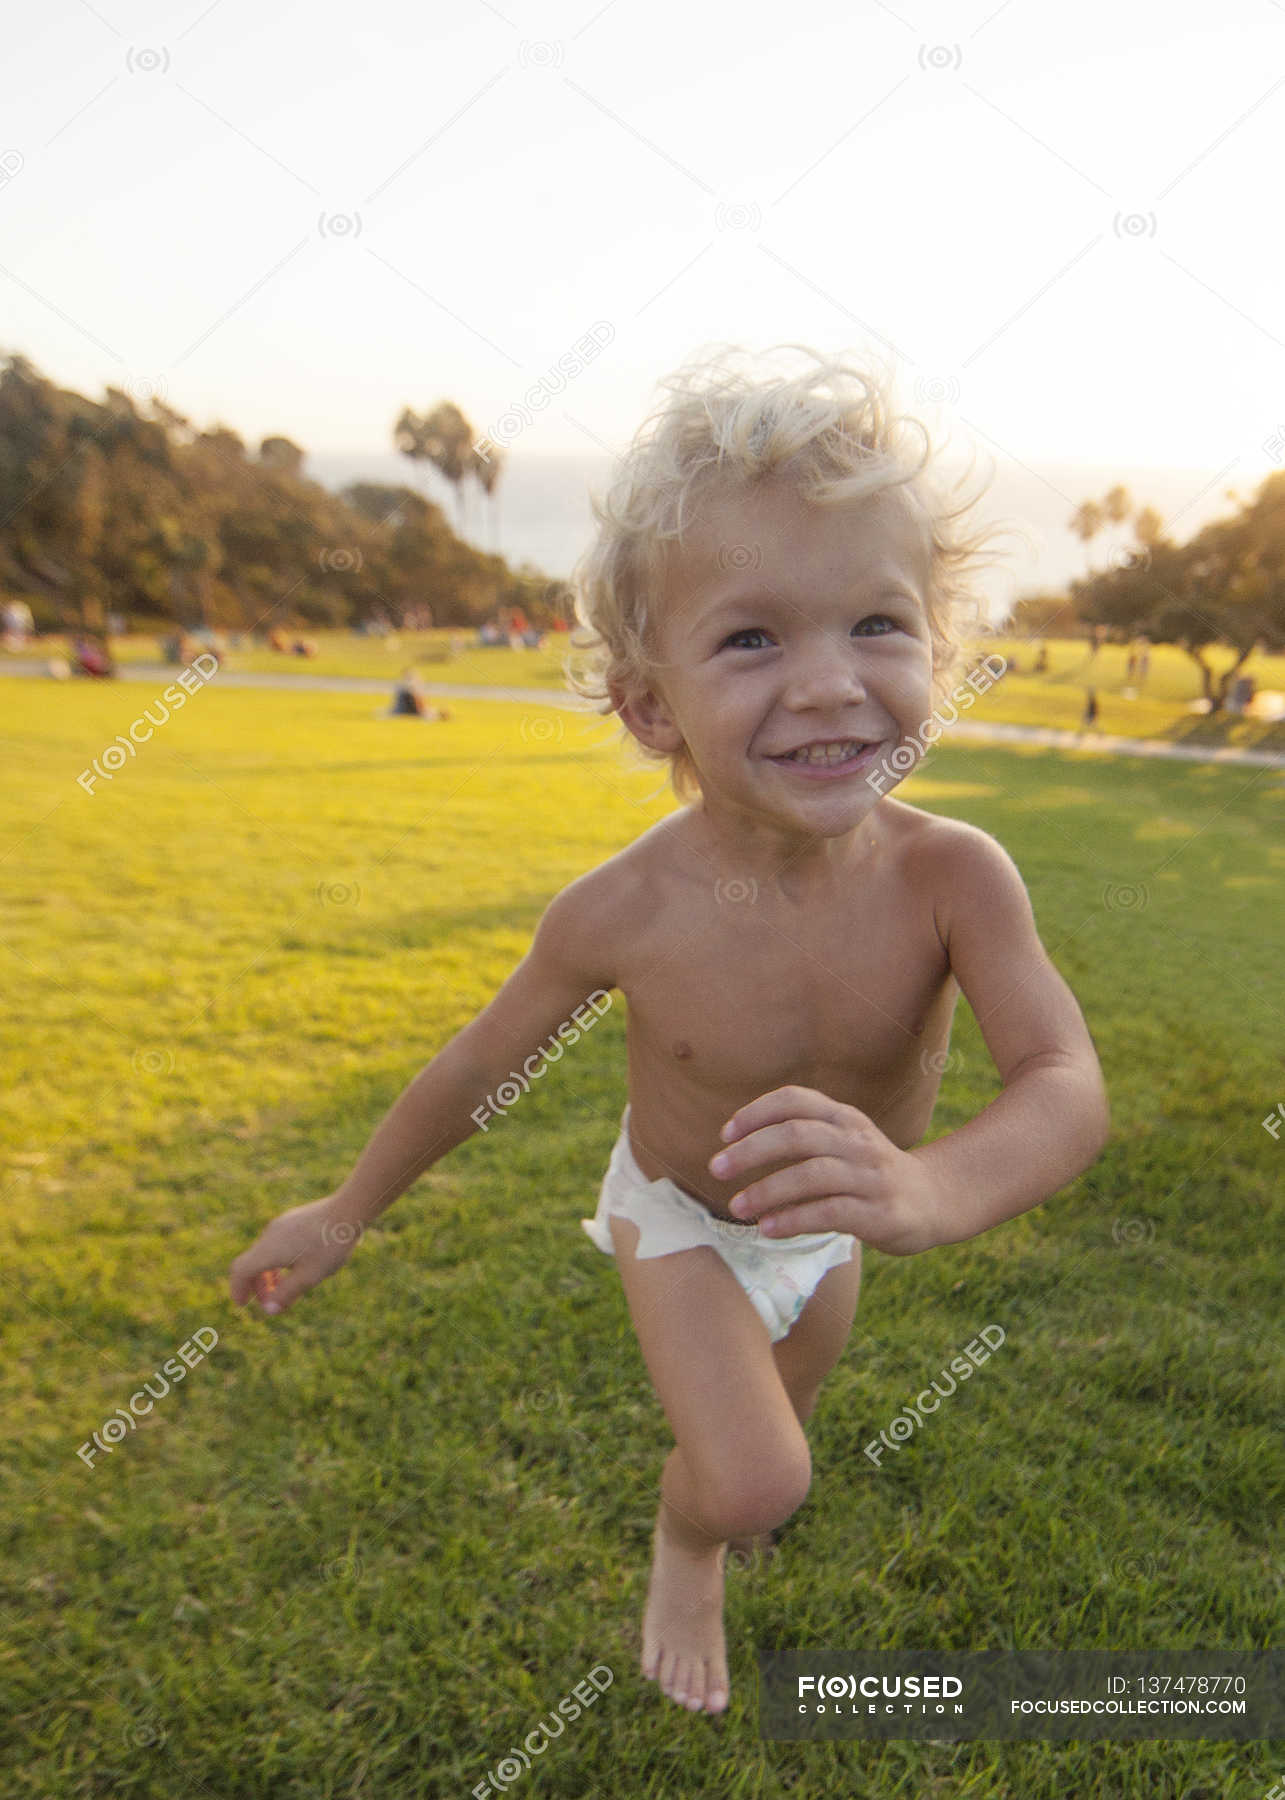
x: 300, y: 219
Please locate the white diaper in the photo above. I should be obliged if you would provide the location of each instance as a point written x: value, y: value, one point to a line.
x: 778, y: 1274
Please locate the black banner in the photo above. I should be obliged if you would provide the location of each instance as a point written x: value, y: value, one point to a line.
x: 808, y: 1695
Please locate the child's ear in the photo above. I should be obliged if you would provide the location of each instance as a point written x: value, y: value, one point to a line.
x: 645, y: 714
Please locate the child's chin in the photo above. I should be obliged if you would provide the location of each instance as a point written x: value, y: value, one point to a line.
x: 831, y: 809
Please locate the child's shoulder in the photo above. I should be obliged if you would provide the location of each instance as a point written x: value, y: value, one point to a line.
x: 937, y: 834
x: 623, y: 898
x: 954, y: 859
x: 977, y: 889
x: 613, y: 895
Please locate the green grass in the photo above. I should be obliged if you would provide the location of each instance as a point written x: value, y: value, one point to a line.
x: 362, y: 1549
x: 340, y: 653
x: 1056, y: 698
x: 1160, y: 708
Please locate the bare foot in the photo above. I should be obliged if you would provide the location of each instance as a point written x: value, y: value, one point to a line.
x: 683, y: 1647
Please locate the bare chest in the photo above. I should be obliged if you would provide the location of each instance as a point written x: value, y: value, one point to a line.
x: 762, y: 998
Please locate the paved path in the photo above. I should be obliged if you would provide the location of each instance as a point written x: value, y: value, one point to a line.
x: 159, y: 675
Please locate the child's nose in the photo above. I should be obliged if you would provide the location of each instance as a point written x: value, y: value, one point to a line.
x: 824, y: 676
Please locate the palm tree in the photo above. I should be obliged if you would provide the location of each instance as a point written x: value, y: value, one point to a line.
x: 442, y: 437
x: 408, y: 436
x: 1148, y: 527
x: 1115, y: 506
x: 1086, y: 522
x: 486, y: 471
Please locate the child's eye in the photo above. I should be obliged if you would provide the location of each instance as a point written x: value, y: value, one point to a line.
x: 880, y: 620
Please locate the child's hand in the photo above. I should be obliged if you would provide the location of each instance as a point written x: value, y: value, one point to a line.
x: 292, y: 1254
x: 845, y: 1175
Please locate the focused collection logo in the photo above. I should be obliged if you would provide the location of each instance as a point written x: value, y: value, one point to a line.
x: 880, y: 1693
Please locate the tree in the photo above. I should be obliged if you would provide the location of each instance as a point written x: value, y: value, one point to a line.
x: 1086, y: 523
x: 280, y: 453
x: 393, y: 506
x: 1148, y: 527
x: 103, y: 507
x: 1224, y: 588
x: 486, y: 470
x: 442, y: 437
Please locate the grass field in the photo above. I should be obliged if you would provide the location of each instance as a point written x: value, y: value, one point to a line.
x: 1158, y: 709
x: 1055, y: 698
x: 361, y: 1550
x: 340, y: 653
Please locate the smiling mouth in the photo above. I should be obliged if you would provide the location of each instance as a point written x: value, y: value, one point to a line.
x: 828, y: 753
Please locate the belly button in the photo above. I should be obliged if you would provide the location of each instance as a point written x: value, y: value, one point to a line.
x: 682, y: 1050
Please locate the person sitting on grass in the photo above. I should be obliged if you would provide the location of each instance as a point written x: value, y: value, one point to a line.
x: 409, y: 697
x: 774, y: 602
x: 408, y: 700
x: 90, y: 655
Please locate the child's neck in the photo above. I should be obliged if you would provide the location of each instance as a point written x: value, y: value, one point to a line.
x: 793, y: 864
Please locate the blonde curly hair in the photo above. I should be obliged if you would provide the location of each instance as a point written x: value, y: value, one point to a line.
x: 832, y: 431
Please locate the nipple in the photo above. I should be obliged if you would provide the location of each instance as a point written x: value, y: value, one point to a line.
x: 682, y: 1049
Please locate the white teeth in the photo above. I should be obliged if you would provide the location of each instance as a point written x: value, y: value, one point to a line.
x: 826, y: 753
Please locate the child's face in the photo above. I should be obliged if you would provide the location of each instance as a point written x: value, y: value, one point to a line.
x: 787, y: 625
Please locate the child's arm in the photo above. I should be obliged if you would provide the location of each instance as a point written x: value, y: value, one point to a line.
x: 1052, y: 1119
x: 571, y: 957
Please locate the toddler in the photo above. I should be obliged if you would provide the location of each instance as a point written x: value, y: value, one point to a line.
x: 775, y: 604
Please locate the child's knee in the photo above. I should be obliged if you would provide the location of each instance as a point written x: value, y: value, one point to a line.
x: 760, y: 1494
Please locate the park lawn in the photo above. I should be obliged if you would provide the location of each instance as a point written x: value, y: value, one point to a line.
x: 342, y: 653
x: 363, y: 1549
x: 1054, y: 699
x: 1159, y: 709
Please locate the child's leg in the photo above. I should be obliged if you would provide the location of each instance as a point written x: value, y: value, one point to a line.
x: 815, y: 1341
x: 740, y: 1463
x: 810, y: 1350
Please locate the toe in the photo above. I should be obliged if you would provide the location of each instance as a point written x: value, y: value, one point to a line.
x: 716, y: 1682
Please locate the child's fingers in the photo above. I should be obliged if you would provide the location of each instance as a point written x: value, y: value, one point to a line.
x: 784, y: 1103
x: 285, y: 1290
x: 267, y: 1284
x: 793, y: 1141
x: 240, y: 1281
x: 244, y: 1282
x: 832, y: 1212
